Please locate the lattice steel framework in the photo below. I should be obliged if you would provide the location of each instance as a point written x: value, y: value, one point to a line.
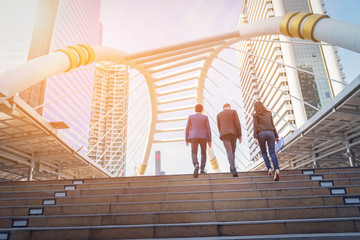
x: 178, y: 63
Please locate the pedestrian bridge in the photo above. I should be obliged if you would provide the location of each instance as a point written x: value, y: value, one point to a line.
x: 176, y: 77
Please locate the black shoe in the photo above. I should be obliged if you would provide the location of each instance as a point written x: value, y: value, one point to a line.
x: 235, y: 174
x: 196, y: 172
x: 202, y: 172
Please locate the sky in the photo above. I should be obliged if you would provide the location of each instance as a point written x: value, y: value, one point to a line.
x: 144, y: 24
x: 137, y: 25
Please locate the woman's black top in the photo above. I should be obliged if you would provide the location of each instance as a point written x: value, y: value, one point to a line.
x: 264, y: 122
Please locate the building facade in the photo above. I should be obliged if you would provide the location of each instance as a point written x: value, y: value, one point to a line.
x: 41, y: 38
x: 76, y: 22
x: 15, y: 38
x: 55, y: 25
x: 77, y: 97
x: 287, y: 92
x: 109, y: 117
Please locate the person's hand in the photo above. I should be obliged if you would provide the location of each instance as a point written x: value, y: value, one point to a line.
x: 240, y: 139
x: 256, y: 141
x: 187, y: 143
x: 277, y: 140
x: 209, y: 144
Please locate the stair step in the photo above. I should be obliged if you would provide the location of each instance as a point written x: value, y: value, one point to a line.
x: 178, y: 205
x: 184, y: 216
x: 327, y: 179
x: 307, y: 236
x: 134, y: 194
x: 345, y: 172
x: 201, y: 229
x: 175, y: 180
x: 205, y: 186
x: 216, y: 205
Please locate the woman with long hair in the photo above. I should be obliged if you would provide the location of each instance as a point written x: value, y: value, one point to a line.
x: 265, y: 132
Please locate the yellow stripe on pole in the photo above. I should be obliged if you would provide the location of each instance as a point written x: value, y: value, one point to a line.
x: 214, y: 163
x: 73, y: 57
x: 83, y: 56
x: 90, y: 51
x: 295, y: 20
x: 296, y: 23
x: 142, y: 169
x: 309, y: 25
x: 284, y: 23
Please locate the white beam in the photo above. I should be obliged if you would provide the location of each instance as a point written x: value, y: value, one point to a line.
x: 212, y: 39
x: 178, y: 73
x: 169, y: 140
x: 177, y: 58
x: 177, y: 90
x: 170, y: 130
x: 178, y: 64
x: 338, y: 33
x: 177, y: 99
x: 175, y: 53
x: 172, y: 119
x: 175, y: 109
x: 176, y: 81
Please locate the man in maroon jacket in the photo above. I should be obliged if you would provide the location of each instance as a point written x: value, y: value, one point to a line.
x: 230, y: 129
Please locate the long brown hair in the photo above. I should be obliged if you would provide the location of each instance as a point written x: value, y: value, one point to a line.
x: 260, y: 108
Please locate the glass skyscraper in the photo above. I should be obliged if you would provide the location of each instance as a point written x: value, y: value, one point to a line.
x: 41, y: 37
x: 86, y: 99
x: 109, y: 113
x: 315, y: 90
x: 261, y: 79
x: 56, y: 25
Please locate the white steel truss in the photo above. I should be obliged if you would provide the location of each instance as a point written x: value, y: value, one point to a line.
x: 179, y: 63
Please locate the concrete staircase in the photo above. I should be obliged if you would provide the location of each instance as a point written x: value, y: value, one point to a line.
x: 304, y: 204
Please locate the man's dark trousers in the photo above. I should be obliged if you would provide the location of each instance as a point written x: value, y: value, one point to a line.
x: 195, y: 142
x: 229, y: 141
x: 229, y: 129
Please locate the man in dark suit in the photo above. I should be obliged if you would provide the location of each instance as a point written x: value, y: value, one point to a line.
x: 230, y: 129
x: 198, y: 133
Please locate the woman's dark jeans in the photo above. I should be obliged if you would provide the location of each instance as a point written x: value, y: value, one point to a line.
x: 269, y: 138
